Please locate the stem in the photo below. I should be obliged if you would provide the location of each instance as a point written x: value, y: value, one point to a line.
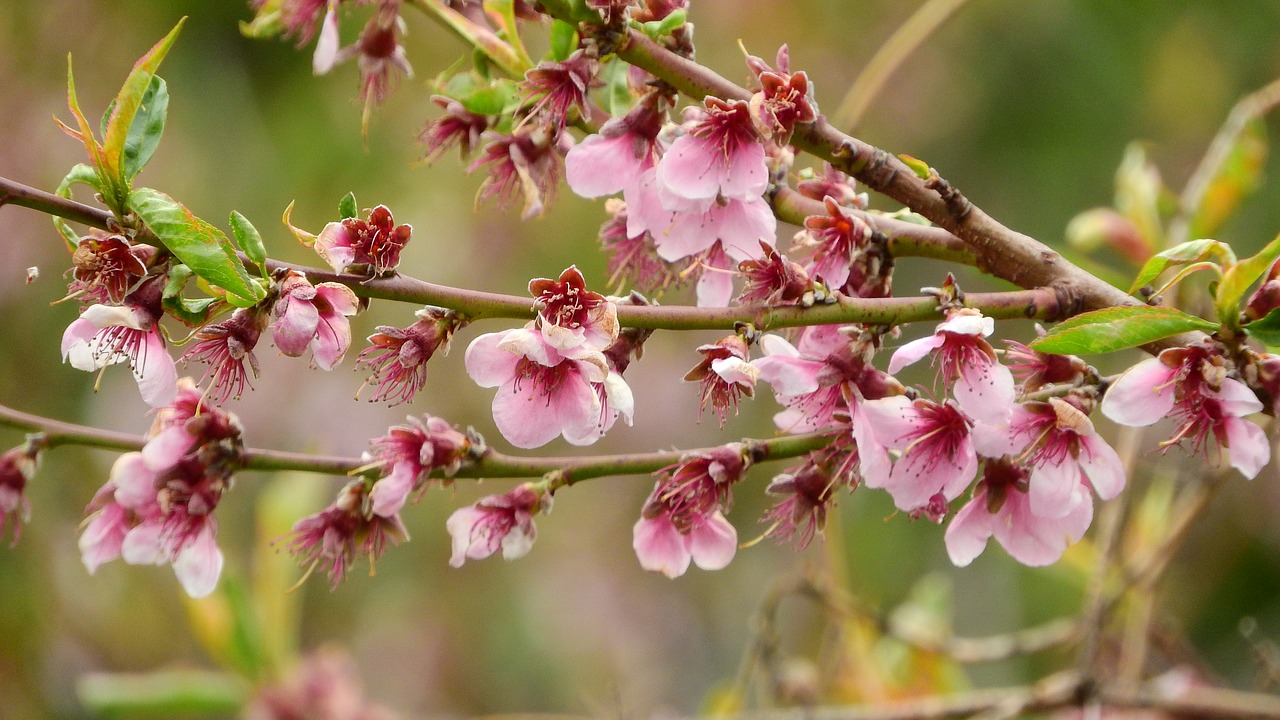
x: 490, y: 464
x: 889, y: 57
x: 1041, y: 303
x: 499, y: 52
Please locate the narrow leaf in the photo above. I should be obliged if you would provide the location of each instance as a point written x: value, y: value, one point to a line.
x: 200, y: 245
x: 127, y: 103
x: 347, y: 207
x: 564, y: 40
x: 147, y: 128
x: 1186, y: 253
x: 1235, y: 178
x: 80, y: 174
x: 1237, y: 279
x: 616, y: 95
x: 1266, y: 329
x: 916, y: 165
x: 1138, y: 190
x: 249, y: 240
x: 1103, y: 331
x: 164, y: 693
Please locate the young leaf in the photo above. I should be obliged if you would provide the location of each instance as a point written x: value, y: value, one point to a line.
x: 564, y: 40
x: 80, y: 174
x: 1266, y: 329
x: 616, y: 95
x: 127, y: 103
x: 1138, y: 190
x: 1186, y: 253
x: 1111, y: 329
x: 148, y: 126
x: 197, y: 243
x: 1237, y: 279
x: 916, y: 165
x: 1236, y: 176
x: 347, y: 207
x: 249, y: 240
x: 112, y: 194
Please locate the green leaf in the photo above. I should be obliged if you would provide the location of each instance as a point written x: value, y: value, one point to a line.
x: 112, y: 194
x: 1111, y: 329
x: 347, y: 207
x: 197, y: 243
x: 496, y: 98
x: 1138, y: 191
x: 616, y: 95
x: 127, y: 104
x: 1184, y: 254
x: 80, y: 174
x: 249, y: 240
x: 916, y: 165
x: 147, y: 128
x: 192, y: 313
x: 1266, y: 329
x: 1237, y: 279
x: 564, y: 39
x: 1237, y: 175
x: 164, y: 693
x: 671, y: 22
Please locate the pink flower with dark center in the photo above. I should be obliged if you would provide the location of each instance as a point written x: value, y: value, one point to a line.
x: 398, y: 357
x: 807, y: 492
x: 1219, y: 417
x: 497, y: 522
x: 457, y: 126
x: 333, y: 538
x: 725, y: 375
x: 772, y: 279
x: 374, y: 244
x: 562, y: 85
x: 661, y: 546
x: 407, y: 454
x: 935, y: 451
x: 542, y: 393
x: 683, y: 228
x: 313, y: 316
x: 17, y: 467
x: 105, y: 334
x: 832, y: 242
x: 1066, y: 455
x: 833, y: 184
x: 1001, y: 507
x: 699, y: 485
x: 634, y: 257
x: 1148, y: 391
x: 966, y: 362
x: 527, y: 163
x: 105, y: 267
x: 1036, y: 369
x: 614, y: 158
x: 719, y: 156
x: 225, y: 347
x: 572, y: 317
x: 784, y: 99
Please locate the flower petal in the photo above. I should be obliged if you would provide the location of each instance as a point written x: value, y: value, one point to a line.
x: 1142, y: 395
x: 913, y: 351
x: 1248, y: 447
x: 970, y: 528
x: 660, y: 547
x: 713, y: 543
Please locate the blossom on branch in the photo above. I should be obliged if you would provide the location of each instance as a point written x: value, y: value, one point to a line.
x: 332, y: 538
x: 373, y: 244
x: 313, y: 316
x: 398, y: 357
x: 225, y: 347
x: 966, y: 362
x: 407, y: 454
x: 497, y: 522
x: 725, y: 375
x: 17, y: 466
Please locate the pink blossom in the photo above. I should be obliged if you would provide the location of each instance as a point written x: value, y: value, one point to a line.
x: 683, y: 227
x: 719, y: 156
x: 332, y: 538
x: 563, y: 86
x: 225, y: 347
x: 104, y: 335
x: 936, y: 453
x: 542, y: 393
x: 830, y: 183
x: 378, y: 49
x: 634, y: 257
x: 398, y: 357
x: 313, y: 316
x: 715, y: 278
x: 572, y: 317
x: 374, y: 244
x: 725, y: 375
x: 831, y: 243
x: 1036, y: 369
x: 497, y: 522
x: 105, y: 267
x: 408, y: 453
x: 963, y: 357
x: 661, y: 547
x: 458, y: 125
x: 807, y: 492
x: 526, y: 163
x: 784, y: 99
x: 1001, y: 507
x: 614, y: 158
x: 772, y: 279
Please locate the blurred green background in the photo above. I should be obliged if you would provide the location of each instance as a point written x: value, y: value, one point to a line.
x: 1026, y: 106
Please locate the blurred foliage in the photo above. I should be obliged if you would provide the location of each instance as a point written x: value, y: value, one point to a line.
x: 1028, y: 107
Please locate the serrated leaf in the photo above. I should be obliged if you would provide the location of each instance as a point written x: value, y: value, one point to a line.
x: 1266, y: 329
x: 1184, y: 254
x: 127, y: 103
x: 1235, y: 178
x: 249, y: 240
x: 347, y: 207
x: 1138, y: 192
x: 80, y: 174
x: 1111, y: 329
x: 564, y: 40
x: 112, y: 194
x: 1237, y: 279
x: 201, y: 246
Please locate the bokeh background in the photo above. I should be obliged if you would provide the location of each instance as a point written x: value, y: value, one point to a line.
x: 1026, y: 106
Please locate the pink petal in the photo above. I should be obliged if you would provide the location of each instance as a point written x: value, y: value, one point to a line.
x: 985, y: 392
x: 1142, y: 395
x: 893, y: 420
x: 293, y: 330
x: 155, y: 371
x: 1037, y: 541
x: 736, y: 370
x: 333, y: 245
x: 333, y: 337
x: 103, y: 536
x: 341, y: 298
x: 660, y: 547
x: 872, y: 453
x: 715, y: 288
x: 692, y: 168
x: 1249, y: 449
x: 621, y: 399
x: 966, y: 323
x: 105, y: 316
x: 326, y: 52
x: 741, y: 225
x: 199, y: 564
x: 390, y: 493
x: 517, y: 543
x: 746, y: 176
x: 1237, y: 399
x: 577, y: 411
x: 164, y: 451
x: 135, y: 485
x: 967, y: 535
x: 523, y: 419
x: 923, y: 472
x: 714, y: 543
x: 1055, y: 488
x: 1102, y: 465
x: 487, y: 364
x: 600, y: 166
x: 913, y: 351
x: 78, y: 344
x: 143, y: 545
x: 461, y: 526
